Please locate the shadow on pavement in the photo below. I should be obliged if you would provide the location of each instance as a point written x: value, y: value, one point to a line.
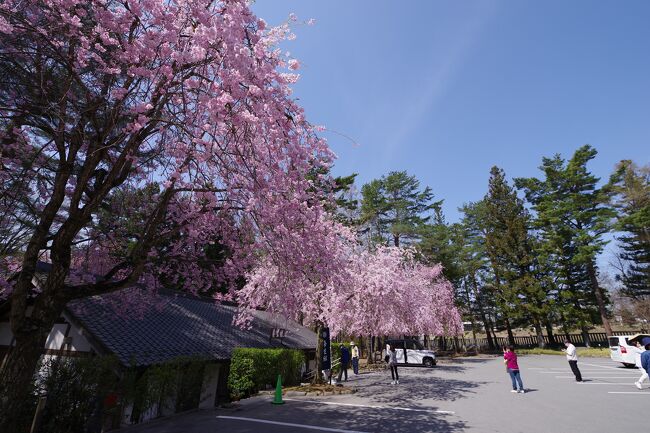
x: 378, y: 420
x: 473, y: 360
x: 417, y: 385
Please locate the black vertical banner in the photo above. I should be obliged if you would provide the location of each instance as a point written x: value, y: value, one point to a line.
x: 326, y: 352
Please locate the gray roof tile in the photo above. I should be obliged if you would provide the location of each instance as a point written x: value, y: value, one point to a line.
x: 183, y: 326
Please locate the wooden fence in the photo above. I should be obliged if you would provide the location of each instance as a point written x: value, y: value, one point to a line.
x: 593, y: 339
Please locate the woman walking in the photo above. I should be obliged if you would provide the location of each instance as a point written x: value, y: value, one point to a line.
x: 392, y: 362
x: 510, y: 359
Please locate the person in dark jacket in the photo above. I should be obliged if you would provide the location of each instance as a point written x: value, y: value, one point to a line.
x: 345, y: 361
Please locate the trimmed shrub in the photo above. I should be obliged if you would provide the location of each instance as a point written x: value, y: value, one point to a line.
x: 254, y: 369
x: 240, y: 377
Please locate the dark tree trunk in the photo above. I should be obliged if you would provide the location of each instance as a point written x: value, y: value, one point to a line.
x: 473, y: 329
x: 585, y: 336
x: 511, y: 337
x: 565, y: 327
x: 549, y: 332
x: 369, y: 348
x: 21, y: 362
x: 494, y: 334
x: 17, y: 380
x: 319, y: 360
x: 489, y: 335
x: 600, y: 297
x: 488, y: 326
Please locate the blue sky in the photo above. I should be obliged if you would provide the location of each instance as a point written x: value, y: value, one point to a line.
x: 446, y: 89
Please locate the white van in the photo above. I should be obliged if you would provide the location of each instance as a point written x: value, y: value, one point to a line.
x: 411, y: 353
x: 621, y: 350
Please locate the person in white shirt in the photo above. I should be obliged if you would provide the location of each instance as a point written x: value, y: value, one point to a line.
x: 572, y: 357
x: 355, y: 357
x: 638, y: 350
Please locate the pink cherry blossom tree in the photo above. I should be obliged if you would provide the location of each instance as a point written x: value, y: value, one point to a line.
x: 393, y: 293
x: 381, y: 292
x: 102, y: 97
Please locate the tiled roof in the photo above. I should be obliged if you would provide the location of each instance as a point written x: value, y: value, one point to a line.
x: 182, y: 326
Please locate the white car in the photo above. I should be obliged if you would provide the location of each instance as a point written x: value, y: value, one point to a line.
x: 411, y: 353
x: 621, y: 350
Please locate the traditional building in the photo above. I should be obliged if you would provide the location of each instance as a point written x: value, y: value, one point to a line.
x: 176, y: 326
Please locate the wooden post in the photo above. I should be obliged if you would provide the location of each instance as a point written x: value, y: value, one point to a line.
x: 36, y: 423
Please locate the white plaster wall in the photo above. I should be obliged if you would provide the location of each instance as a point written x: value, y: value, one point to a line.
x: 79, y: 341
x: 55, y: 338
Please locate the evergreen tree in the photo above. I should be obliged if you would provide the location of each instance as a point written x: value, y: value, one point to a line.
x: 572, y: 217
x: 395, y: 209
x: 440, y: 244
x: 373, y: 212
x: 509, y: 248
x: 630, y: 192
x: 473, y: 290
x: 347, y: 203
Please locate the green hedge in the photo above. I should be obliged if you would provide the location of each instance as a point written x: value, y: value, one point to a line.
x: 253, y: 369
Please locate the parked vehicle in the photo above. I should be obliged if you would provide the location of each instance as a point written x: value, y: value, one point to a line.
x: 411, y: 353
x: 621, y: 350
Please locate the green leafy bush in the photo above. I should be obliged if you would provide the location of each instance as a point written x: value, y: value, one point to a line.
x: 240, y: 378
x: 255, y: 369
x: 76, y: 389
x: 175, y: 384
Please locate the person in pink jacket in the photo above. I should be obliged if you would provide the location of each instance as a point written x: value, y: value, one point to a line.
x: 510, y: 360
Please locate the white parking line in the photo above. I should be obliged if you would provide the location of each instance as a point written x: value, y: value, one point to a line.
x: 600, y: 366
x: 599, y: 377
x: 629, y: 392
x: 581, y: 370
x: 607, y: 383
x: 288, y: 424
x: 409, y: 409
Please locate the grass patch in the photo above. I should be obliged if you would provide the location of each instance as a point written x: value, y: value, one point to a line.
x: 321, y: 389
x: 587, y: 352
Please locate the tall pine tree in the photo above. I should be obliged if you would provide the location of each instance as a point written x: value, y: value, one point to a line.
x: 572, y: 217
x: 395, y: 209
x: 629, y: 187
x: 473, y: 291
x: 509, y: 246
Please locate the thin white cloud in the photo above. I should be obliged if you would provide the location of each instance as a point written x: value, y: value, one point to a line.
x: 439, y: 76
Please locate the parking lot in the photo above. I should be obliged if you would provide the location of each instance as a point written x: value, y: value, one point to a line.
x: 463, y: 395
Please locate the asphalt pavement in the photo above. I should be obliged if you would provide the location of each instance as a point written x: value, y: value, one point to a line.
x: 463, y: 395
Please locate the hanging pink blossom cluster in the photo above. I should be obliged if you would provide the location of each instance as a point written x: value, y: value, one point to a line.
x: 383, y: 292
x: 193, y: 97
x: 190, y: 95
